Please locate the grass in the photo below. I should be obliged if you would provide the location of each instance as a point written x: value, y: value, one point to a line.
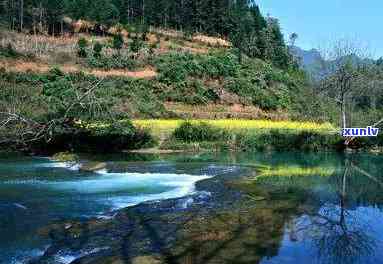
x: 166, y: 127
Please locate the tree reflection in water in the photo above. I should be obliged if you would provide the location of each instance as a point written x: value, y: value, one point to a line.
x: 339, y: 232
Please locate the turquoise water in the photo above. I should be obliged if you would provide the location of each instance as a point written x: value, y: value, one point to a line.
x: 37, y: 192
x: 293, y: 207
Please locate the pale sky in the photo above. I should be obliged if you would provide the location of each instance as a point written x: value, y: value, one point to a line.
x: 318, y: 22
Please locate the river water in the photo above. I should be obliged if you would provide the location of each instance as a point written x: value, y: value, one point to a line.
x: 269, y: 208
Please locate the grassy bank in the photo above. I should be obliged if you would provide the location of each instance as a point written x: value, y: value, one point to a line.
x: 250, y: 135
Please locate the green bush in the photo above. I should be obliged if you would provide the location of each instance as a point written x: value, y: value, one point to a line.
x: 109, y: 138
x: 265, y: 86
x: 113, y: 62
x: 97, y: 49
x: 259, y: 82
x: 9, y: 51
x: 286, y: 141
x: 118, y: 41
x: 178, y: 66
x: 198, y: 132
x: 82, y: 45
x: 136, y: 44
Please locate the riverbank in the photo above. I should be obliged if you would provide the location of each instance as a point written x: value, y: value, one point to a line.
x: 176, y: 136
x: 251, y: 136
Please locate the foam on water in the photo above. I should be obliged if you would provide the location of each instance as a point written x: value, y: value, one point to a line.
x: 65, y: 165
x: 123, y: 189
x: 164, y: 186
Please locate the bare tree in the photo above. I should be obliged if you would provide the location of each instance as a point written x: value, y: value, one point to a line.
x: 17, y: 129
x: 343, y: 73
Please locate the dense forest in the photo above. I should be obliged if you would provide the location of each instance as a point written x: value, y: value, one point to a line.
x: 240, y: 21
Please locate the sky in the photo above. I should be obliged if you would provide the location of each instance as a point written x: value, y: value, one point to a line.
x: 317, y: 23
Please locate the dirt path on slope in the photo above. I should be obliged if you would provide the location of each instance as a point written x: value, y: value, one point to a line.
x: 25, y: 66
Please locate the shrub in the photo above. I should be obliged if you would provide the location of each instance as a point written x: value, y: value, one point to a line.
x: 9, y: 51
x: 54, y: 73
x: 82, y: 45
x: 136, y: 45
x: 176, y: 67
x: 113, y: 62
x: 264, y: 85
x: 281, y: 140
x: 99, y: 138
x: 197, y: 132
x: 118, y: 41
x: 97, y: 49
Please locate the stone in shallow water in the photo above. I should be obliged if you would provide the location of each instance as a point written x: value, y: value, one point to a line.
x: 65, y: 156
x: 257, y: 198
x: 92, y: 166
x: 146, y: 260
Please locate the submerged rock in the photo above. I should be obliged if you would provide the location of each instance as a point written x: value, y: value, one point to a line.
x: 92, y: 166
x: 65, y: 156
x: 147, y: 260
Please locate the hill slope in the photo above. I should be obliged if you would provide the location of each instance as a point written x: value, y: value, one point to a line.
x: 167, y: 76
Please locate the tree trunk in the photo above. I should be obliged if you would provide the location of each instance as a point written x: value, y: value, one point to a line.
x: 343, y: 111
x: 143, y: 12
x: 21, y: 14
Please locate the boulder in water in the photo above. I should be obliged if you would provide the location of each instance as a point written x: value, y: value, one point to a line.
x: 146, y: 260
x: 92, y: 166
x: 65, y: 157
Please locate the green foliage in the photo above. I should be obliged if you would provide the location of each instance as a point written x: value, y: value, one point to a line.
x: 112, y: 62
x: 274, y: 139
x: 82, y: 46
x: 47, y: 95
x: 258, y: 82
x: 176, y: 67
x: 287, y: 141
x: 136, y: 44
x: 105, y: 138
x: 97, y: 49
x: 55, y: 95
x: 198, y: 132
x: 266, y: 86
x: 118, y: 41
x: 241, y: 21
x: 9, y: 51
x: 121, y: 135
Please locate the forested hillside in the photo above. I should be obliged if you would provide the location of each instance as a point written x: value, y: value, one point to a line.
x: 240, y: 21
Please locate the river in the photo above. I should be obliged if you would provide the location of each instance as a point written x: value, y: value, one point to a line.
x: 193, y: 208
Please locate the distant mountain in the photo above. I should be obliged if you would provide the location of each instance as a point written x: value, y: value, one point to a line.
x: 307, y: 57
x: 310, y: 60
x: 316, y: 66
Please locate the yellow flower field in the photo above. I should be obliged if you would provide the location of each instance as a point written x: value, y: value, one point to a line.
x: 161, y: 126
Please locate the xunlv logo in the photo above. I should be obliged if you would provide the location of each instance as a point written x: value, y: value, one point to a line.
x: 360, y: 132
